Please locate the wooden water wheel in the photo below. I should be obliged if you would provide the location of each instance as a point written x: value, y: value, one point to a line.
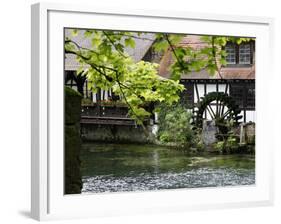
x: 217, y: 106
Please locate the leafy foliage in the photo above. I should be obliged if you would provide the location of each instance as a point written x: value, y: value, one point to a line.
x: 175, y: 125
x: 229, y: 145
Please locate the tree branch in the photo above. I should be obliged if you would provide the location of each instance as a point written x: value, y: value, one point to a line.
x: 174, y: 52
x: 113, y: 44
x: 129, y: 105
x: 80, y: 47
x: 215, y: 56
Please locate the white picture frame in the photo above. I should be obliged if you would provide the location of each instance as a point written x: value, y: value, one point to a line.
x: 48, y: 201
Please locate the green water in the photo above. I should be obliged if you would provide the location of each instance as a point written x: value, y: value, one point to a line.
x: 131, y: 167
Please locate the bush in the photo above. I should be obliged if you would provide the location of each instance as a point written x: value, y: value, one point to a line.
x: 87, y: 102
x: 175, y: 125
x: 228, y: 145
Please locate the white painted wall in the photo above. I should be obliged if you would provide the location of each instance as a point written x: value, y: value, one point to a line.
x: 200, y: 88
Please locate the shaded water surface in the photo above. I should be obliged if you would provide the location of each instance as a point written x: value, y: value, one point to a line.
x: 129, y: 167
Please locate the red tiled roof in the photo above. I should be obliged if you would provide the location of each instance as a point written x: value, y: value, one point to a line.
x: 194, y: 41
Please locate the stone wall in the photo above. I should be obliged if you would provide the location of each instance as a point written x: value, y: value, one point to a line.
x: 247, y: 133
x: 72, y: 142
x: 115, y: 133
x: 209, y: 132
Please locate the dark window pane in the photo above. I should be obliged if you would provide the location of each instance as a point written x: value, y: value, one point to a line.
x: 243, y: 94
x: 187, y: 96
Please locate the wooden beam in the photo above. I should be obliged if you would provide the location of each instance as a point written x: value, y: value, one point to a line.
x: 217, y: 90
x: 197, y: 93
x: 205, y: 92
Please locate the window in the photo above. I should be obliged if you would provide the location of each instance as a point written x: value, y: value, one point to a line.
x: 72, y: 84
x: 239, y: 54
x: 70, y: 79
x: 245, y: 54
x: 231, y: 56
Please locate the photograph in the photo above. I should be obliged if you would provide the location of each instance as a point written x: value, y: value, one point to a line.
x: 150, y: 111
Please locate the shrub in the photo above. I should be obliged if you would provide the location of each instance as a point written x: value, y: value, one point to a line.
x: 229, y: 145
x: 87, y: 102
x: 175, y: 125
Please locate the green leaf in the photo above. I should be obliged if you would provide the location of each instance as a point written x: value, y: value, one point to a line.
x: 88, y: 33
x: 223, y: 62
x: 96, y: 41
x: 80, y: 70
x: 119, y: 47
x: 129, y: 42
x: 161, y: 45
x: 74, y: 32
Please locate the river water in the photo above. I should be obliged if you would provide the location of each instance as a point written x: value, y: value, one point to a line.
x: 131, y: 167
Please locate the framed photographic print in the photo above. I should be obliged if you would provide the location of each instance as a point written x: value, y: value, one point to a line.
x: 148, y: 111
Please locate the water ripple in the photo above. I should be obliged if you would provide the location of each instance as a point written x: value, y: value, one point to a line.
x: 195, y: 178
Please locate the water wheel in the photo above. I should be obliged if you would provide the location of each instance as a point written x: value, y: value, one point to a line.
x: 217, y: 106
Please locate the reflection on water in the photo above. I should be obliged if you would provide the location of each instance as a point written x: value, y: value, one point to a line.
x: 122, y: 167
